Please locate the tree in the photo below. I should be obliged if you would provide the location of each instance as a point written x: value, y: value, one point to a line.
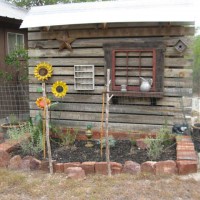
x: 196, y: 64
x: 30, y: 3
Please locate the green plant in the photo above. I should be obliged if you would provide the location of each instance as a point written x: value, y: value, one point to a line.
x: 133, y: 142
x: 31, y: 145
x: 111, y: 141
x: 156, y: 146
x: 13, y: 119
x: 18, y: 62
x: 68, y: 138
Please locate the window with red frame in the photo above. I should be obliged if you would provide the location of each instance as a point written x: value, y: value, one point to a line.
x: 130, y: 62
x: 128, y: 66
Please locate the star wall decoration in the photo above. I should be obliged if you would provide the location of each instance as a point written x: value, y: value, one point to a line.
x: 66, y: 42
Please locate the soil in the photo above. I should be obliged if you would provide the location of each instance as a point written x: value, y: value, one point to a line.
x: 122, y: 151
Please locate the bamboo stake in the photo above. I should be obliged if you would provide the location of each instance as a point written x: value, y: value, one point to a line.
x: 107, y: 117
x: 44, y: 122
x: 43, y: 132
x: 102, y: 119
x: 47, y: 130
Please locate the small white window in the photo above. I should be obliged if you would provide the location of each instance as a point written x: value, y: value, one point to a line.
x: 15, y: 41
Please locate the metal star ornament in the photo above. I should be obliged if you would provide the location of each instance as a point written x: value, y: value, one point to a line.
x: 66, y: 42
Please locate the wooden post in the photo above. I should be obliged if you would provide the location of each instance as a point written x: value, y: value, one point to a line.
x: 107, y: 117
x: 47, y: 130
x: 102, y: 120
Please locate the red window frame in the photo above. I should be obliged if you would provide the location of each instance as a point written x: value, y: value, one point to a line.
x: 127, y: 69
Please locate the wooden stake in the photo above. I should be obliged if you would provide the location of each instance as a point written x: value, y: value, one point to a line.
x: 47, y: 130
x: 107, y: 117
x: 44, y: 133
x: 102, y: 119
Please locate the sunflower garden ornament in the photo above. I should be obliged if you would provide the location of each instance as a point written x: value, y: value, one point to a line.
x: 43, y: 71
x: 59, y: 89
x: 40, y: 102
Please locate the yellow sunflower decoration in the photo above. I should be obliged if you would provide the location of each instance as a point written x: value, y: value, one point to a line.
x: 43, y: 71
x: 40, y: 102
x: 59, y: 89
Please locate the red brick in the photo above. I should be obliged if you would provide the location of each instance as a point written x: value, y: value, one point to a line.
x: 131, y: 167
x: 88, y: 167
x: 141, y: 143
x: 15, y: 162
x: 75, y: 173
x: 116, y: 168
x: 71, y: 164
x: 166, y: 167
x: 148, y: 167
x: 8, y: 146
x: 186, y: 155
x: 101, y: 168
x: 186, y: 138
x: 58, y: 167
x: 181, y: 143
x: 44, y: 166
x: 4, y: 158
x: 185, y: 148
x: 186, y: 167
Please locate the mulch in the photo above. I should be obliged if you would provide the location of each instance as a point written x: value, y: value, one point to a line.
x: 123, y: 150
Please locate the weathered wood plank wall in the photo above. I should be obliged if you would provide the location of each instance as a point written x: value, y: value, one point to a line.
x: 80, y: 108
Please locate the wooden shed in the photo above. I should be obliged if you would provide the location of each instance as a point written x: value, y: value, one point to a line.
x: 136, y: 40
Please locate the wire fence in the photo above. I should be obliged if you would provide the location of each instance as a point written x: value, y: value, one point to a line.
x: 14, y: 101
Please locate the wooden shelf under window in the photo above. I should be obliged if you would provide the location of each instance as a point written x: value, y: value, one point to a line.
x: 138, y: 94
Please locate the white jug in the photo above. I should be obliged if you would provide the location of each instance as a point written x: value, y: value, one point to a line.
x: 146, y: 84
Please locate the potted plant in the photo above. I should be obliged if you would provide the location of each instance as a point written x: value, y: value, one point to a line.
x: 12, y: 122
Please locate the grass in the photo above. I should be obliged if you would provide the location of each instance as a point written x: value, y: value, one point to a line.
x: 38, y: 185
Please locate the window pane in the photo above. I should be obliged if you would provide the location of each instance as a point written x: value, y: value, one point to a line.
x: 11, y: 42
x: 20, y: 41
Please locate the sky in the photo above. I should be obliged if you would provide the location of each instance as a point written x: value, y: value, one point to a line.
x: 197, y: 15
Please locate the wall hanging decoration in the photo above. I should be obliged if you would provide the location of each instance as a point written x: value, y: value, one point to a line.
x: 43, y: 71
x: 59, y: 89
x: 42, y: 101
x: 180, y: 46
x: 66, y: 42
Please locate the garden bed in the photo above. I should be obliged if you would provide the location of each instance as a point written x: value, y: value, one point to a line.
x: 122, y: 151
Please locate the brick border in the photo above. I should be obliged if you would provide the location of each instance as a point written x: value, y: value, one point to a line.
x: 186, y: 163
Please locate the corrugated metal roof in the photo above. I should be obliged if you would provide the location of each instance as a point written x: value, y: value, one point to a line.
x: 11, y: 11
x: 110, y: 12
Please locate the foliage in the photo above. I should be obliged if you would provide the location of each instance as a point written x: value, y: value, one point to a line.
x: 30, y: 3
x: 196, y: 65
x: 31, y: 146
x: 68, y: 138
x: 156, y: 146
x: 111, y: 141
x: 17, y: 61
x: 12, y: 119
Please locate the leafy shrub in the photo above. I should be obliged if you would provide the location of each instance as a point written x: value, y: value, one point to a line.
x: 111, y: 141
x: 68, y: 138
x: 31, y: 146
x: 156, y: 146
